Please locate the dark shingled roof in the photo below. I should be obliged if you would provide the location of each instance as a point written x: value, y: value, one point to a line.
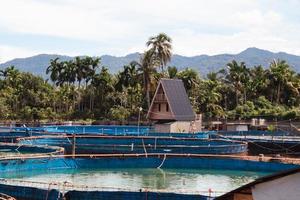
x: 179, y: 102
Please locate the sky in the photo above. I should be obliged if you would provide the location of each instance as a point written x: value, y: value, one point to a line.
x: 120, y: 27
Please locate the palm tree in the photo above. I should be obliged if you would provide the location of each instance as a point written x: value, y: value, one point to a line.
x: 189, y: 77
x: 12, y: 76
x: 146, y: 67
x: 294, y: 90
x: 128, y: 77
x: 79, y: 70
x: 70, y: 70
x: 54, y: 69
x: 102, y: 84
x: 209, y: 95
x: 128, y: 81
x: 280, y: 75
x: 172, y: 72
x: 213, y: 76
x: 90, y: 66
x: 237, y: 75
x: 161, y: 46
x: 257, y: 83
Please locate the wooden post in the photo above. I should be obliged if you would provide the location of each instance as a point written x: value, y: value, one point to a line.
x: 73, y: 146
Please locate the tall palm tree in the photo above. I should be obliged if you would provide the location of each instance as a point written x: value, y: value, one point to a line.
x: 90, y: 65
x: 54, y: 69
x: 189, y: 77
x: 102, y: 82
x: 257, y: 83
x: 128, y: 77
x: 79, y: 70
x: 209, y: 96
x: 13, y: 76
x: 237, y: 75
x: 213, y: 76
x: 161, y: 46
x: 280, y: 75
x: 146, y: 67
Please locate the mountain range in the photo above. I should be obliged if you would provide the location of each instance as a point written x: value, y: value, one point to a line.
x: 202, y: 63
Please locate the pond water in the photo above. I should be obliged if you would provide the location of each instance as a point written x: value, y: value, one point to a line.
x: 168, y: 180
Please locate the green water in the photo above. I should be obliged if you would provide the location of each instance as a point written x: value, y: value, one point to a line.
x: 171, y: 180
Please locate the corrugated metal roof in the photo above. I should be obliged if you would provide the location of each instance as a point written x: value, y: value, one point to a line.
x: 178, y: 99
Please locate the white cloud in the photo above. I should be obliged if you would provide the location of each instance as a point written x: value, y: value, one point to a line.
x: 123, y: 26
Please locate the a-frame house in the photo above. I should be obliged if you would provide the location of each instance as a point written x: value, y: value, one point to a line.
x: 171, y: 109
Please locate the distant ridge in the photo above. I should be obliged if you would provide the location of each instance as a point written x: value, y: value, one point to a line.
x: 202, y: 63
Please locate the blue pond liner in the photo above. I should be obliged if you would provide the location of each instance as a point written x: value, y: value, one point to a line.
x: 10, y: 150
x: 8, y: 134
x: 128, y: 161
x: 124, y: 195
x: 31, y: 193
x: 172, y: 161
x: 139, y: 144
x: 100, y: 129
x: 117, y: 130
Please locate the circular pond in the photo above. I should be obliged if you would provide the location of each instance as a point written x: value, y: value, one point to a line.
x: 14, y: 150
x: 92, y: 144
x: 187, y: 181
x: 176, y: 174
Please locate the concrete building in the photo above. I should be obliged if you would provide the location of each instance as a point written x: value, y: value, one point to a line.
x: 237, y: 126
x: 283, y: 185
x: 171, y: 109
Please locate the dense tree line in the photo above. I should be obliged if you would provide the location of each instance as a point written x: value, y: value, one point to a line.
x: 84, y: 89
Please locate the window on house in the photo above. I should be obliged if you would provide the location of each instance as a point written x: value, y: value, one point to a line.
x: 167, y: 107
x: 159, y: 107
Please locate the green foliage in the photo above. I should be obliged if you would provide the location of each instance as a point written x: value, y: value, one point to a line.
x: 161, y: 49
x: 271, y: 128
x: 263, y: 103
x: 293, y: 113
x: 4, y: 109
x: 119, y: 113
x: 246, y: 110
x: 83, y: 89
x: 172, y: 72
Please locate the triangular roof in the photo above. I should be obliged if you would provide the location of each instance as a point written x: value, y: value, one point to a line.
x: 177, y: 98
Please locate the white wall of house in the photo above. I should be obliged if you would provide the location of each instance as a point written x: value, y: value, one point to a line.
x: 180, y: 127
x: 177, y: 127
x: 237, y: 127
x: 284, y: 188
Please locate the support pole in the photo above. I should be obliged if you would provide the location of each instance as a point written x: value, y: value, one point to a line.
x: 73, y: 146
x: 139, y: 119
